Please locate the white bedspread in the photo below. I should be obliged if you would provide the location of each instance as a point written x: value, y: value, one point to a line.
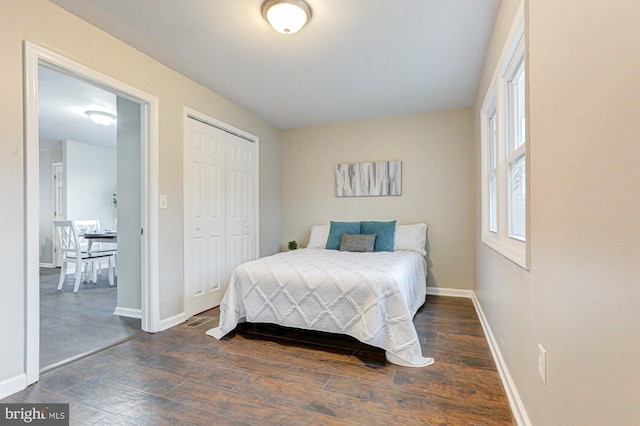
x: 370, y: 296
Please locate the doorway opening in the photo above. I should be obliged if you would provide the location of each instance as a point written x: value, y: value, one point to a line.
x: 145, y: 302
x: 85, y: 168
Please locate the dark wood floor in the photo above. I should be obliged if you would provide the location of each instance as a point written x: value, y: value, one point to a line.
x: 268, y: 375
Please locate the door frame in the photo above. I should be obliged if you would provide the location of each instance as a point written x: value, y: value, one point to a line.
x: 35, y: 56
x: 57, y: 258
x: 189, y: 113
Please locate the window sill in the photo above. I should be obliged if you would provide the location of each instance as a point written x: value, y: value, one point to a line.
x: 514, y: 250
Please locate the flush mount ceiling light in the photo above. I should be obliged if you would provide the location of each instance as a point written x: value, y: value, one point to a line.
x: 286, y: 16
x: 100, y: 117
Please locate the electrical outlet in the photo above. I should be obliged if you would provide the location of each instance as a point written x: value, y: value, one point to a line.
x: 542, y: 364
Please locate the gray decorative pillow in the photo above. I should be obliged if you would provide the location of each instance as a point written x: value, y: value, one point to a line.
x: 357, y: 242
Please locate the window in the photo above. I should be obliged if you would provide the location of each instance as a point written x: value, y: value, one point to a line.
x: 504, y: 153
x: 516, y: 144
x: 492, y: 171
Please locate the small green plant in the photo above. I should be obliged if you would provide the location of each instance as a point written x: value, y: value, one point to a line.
x: 114, y: 202
x: 292, y: 245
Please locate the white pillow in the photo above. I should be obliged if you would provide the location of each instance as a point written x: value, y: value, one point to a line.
x: 318, y: 236
x: 411, y: 238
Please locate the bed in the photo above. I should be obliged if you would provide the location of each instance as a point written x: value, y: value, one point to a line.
x: 371, y: 296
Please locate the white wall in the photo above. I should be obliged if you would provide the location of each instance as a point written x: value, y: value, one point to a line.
x: 581, y: 298
x: 47, y: 25
x: 436, y: 153
x: 90, y: 175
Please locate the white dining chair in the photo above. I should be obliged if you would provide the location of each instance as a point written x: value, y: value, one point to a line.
x: 72, y: 253
x: 89, y: 225
x: 85, y: 225
x: 93, y: 225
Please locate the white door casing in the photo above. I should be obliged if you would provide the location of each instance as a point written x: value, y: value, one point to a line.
x: 57, y: 170
x: 34, y: 56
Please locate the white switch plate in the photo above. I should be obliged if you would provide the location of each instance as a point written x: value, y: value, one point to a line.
x: 542, y: 364
x: 163, y: 201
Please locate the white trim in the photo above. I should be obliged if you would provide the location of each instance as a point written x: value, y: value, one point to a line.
x: 12, y: 385
x: 150, y: 220
x: 34, y: 56
x: 32, y: 211
x: 515, y: 402
x: 167, y: 323
x: 46, y: 265
x: 508, y: 247
x: 451, y: 292
x: 197, y: 115
x: 128, y: 312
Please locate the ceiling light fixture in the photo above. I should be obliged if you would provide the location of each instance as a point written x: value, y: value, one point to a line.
x: 286, y: 16
x: 100, y: 117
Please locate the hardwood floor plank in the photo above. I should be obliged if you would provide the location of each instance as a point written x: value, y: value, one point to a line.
x: 137, y: 406
x: 219, y: 374
x: 193, y: 335
x: 244, y: 407
x: 452, y: 381
x: 341, y: 406
x: 448, y: 342
x: 424, y: 407
x: 153, y: 381
x: 80, y: 414
x: 282, y: 369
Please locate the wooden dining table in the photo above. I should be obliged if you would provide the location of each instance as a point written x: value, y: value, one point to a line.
x: 100, y: 236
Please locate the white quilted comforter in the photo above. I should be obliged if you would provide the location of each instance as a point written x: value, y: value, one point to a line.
x: 370, y: 296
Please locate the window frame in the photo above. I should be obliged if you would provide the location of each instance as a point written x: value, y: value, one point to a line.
x: 507, y: 145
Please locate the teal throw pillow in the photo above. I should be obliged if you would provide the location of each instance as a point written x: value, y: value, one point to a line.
x: 337, y: 229
x: 385, y: 233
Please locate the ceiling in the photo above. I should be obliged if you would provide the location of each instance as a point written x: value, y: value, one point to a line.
x: 356, y: 59
x: 62, y: 105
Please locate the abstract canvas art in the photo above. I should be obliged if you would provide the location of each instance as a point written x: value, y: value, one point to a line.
x: 380, y: 178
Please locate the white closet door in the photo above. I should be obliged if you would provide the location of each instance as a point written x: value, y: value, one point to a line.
x: 204, y: 198
x: 240, y: 198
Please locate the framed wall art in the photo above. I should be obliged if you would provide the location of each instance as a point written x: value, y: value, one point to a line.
x: 373, y: 179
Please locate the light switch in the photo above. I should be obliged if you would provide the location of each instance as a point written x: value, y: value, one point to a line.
x: 163, y: 202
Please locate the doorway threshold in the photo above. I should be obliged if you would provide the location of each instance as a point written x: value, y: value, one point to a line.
x: 87, y: 353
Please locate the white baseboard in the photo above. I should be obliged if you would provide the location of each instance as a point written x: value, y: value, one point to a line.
x: 13, y: 385
x: 452, y: 292
x: 517, y: 407
x: 172, y: 321
x: 47, y: 265
x: 128, y: 312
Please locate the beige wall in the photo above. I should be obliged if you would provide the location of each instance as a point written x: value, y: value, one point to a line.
x: 436, y: 154
x: 581, y: 298
x: 47, y: 25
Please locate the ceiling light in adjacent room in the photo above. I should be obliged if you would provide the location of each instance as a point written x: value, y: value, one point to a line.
x: 286, y: 16
x: 100, y: 117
